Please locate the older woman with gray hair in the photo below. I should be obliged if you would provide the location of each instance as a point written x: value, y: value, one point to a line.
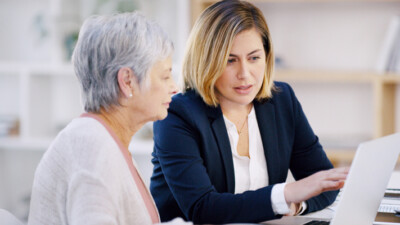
x: 87, y: 176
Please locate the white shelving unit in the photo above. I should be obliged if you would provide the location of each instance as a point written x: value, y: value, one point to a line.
x: 43, y: 98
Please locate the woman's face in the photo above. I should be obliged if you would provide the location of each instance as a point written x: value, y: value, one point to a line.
x: 244, y: 73
x: 157, y: 89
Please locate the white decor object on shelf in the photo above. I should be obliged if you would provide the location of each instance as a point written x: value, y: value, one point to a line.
x: 389, y: 55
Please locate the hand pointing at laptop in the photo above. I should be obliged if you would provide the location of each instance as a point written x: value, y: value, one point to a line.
x: 306, y: 188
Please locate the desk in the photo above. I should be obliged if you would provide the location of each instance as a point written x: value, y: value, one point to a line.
x: 327, y: 213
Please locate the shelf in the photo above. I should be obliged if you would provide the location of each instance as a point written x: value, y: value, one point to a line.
x: 340, y: 157
x: 24, y: 144
x: 390, y: 78
x: 37, y: 69
x: 344, y: 157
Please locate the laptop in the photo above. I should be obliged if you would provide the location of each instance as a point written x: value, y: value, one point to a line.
x: 364, y: 187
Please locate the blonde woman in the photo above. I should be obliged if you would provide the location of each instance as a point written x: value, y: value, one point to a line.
x: 223, y: 153
x: 87, y: 176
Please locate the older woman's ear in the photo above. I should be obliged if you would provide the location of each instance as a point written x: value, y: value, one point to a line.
x: 127, y: 82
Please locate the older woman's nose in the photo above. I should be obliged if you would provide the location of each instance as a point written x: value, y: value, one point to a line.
x: 174, y: 88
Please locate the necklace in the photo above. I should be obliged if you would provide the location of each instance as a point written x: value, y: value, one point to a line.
x: 244, y: 123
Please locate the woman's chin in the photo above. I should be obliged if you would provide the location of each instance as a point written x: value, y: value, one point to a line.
x: 161, y: 116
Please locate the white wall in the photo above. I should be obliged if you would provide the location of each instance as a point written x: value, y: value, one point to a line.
x: 20, y: 39
x: 174, y: 18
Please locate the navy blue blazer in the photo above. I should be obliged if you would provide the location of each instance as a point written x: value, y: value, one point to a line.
x: 193, y: 174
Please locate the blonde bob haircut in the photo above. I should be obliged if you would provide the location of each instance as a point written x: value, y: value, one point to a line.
x: 210, y: 43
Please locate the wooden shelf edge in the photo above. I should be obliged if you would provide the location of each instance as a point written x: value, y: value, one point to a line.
x: 340, y: 157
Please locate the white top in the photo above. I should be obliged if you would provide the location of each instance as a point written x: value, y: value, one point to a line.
x: 83, y: 178
x: 252, y: 173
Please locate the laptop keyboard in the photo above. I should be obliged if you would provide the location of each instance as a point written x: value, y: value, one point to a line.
x: 317, y: 222
x: 388, y: 208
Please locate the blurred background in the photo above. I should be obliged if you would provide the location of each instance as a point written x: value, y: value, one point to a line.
x: 331, y: 52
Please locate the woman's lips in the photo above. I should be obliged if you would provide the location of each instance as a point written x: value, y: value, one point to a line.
x: 243, y: 89
x: 166, y: 104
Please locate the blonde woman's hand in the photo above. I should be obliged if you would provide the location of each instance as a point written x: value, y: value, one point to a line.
x: 306, y: 188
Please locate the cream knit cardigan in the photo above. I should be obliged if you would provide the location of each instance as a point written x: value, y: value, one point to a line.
x: 83, y: 178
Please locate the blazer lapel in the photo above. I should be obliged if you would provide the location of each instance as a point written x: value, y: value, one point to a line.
x: 221, y: 136
x: 265, y: 113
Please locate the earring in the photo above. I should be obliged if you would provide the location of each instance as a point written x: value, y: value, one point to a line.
x: 130, y: 95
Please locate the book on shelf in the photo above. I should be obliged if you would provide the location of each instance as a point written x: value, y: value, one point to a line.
x: 389, y: 56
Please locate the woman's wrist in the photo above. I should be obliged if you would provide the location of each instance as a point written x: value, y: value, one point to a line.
x: 299, y: 208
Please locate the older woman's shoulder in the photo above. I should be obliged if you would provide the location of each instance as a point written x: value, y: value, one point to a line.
x: 83, y: 143
x: 82, y: 134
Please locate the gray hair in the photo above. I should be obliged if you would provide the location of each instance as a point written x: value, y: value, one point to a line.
x: 108, y: 43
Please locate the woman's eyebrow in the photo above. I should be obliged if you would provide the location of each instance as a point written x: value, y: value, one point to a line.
x: 252, y: 52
